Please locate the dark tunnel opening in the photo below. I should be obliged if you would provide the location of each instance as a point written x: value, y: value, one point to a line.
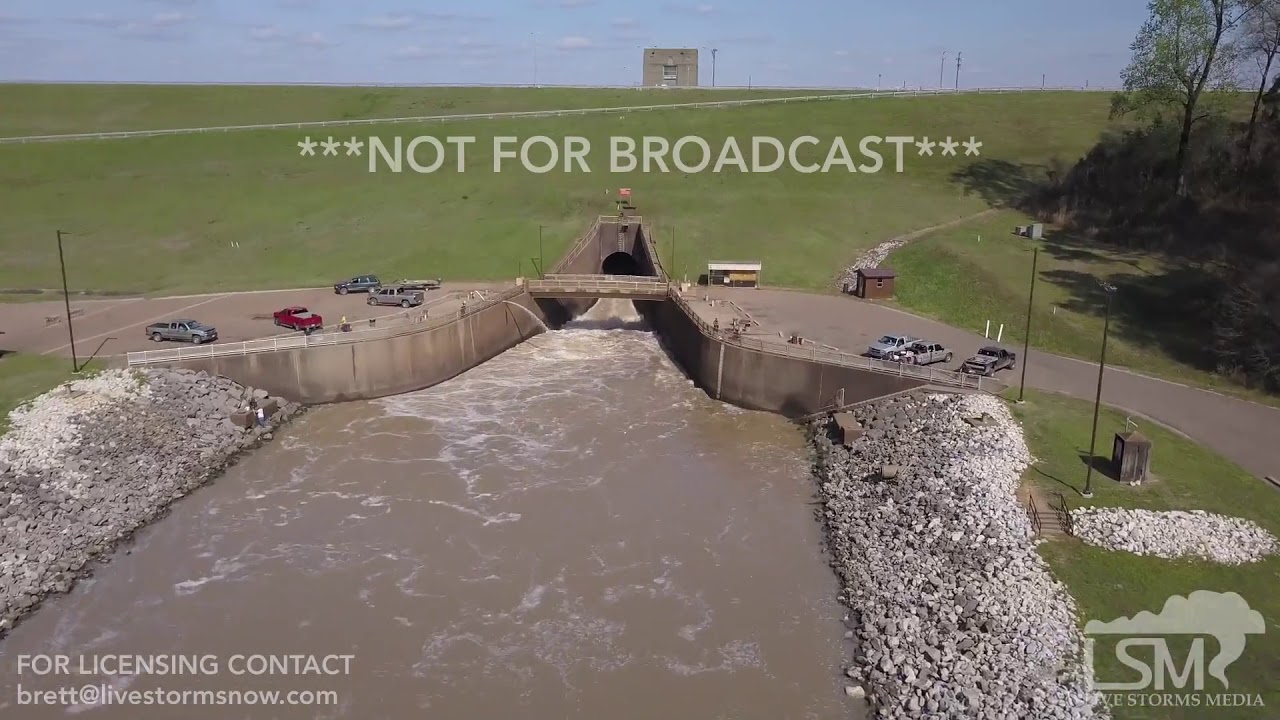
x: 621, y: 263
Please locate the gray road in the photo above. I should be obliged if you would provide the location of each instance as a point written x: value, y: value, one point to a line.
x: 1246, y: 432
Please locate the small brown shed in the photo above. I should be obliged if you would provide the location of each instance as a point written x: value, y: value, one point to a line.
x: 1131, y: 457
x: 875, y: 283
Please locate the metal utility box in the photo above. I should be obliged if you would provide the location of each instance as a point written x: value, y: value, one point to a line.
x: 734, y: 273
x: 1131, y: 457
x: 847, y: 428
x: 875, y: 283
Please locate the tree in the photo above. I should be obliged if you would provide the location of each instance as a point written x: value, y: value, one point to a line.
x: 1178, y: 53
x: 1261, y: 38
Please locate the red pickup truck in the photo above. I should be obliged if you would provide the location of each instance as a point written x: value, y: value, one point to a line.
x: 298, y: 318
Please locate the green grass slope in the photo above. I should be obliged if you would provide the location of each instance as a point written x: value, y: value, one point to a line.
x: 163, y: 214
x: 32, y: 109
x: 979, y: 271
x: 1109, y: 584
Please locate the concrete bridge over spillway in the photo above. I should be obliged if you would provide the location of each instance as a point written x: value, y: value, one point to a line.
x: 630, y: 287
x: 616, y: 258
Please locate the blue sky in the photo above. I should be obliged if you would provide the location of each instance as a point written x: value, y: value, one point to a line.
x: 764, y: 42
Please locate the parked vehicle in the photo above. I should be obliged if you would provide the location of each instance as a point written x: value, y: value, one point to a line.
x: 922, y: 353
x: 989, y: 360
x: 420, y: 284
x: 297, y: 317
x: 888, y: 344
x: 395, y: 295
x: 359, y: 283
x: 192, y: 331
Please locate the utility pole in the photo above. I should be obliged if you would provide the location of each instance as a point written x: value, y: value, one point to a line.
x: 66, y: 299
x: 673, y: 249
x: 1026, y: 338
x: 958, y: 70
x: 941, y: 66
x: 541, y: 274
x: 1110, y: 290
x: 713, y: 66
x: 878, y: 76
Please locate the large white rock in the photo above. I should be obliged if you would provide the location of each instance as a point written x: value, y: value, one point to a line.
x: 1175, y: 534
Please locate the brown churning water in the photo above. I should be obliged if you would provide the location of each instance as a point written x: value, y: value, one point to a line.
x: 569, y: 531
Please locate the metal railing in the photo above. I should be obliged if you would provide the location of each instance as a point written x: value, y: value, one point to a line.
x: 579, y: 245
x: 123, y: 134
x: 413, y: 322
x: 830, y: 357
x: 1064, y: 514
x: 652, y: 248
x: 1034, y: 513
x: 598, y: 284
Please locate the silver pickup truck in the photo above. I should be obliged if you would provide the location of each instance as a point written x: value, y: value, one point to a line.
x: 192, y: 331
x: 395, y: 295
x: 921, y: 353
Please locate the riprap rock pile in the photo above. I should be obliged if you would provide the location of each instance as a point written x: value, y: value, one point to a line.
x: 86, y: 464
x: 1174, y: 534
x: 953, y: 612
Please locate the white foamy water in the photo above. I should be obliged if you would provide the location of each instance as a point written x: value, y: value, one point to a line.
x: 568, y: 531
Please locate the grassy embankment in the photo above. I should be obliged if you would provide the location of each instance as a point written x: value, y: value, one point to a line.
x: 162, y: 214
x: 1158, y: 313
x: 1110, y: 584
x: 24, y: 377
x: 34, y: 109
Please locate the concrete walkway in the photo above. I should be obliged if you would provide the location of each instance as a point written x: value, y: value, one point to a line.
x: 1245, y: 432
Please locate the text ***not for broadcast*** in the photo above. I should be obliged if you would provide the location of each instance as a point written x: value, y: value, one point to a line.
x: 542, y: 154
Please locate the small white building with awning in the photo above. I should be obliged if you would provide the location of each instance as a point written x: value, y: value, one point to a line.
x: 733, y: 273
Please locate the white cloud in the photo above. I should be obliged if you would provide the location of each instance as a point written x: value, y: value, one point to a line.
x: 573, y: 42
x: 158, y: 26
x: 699, y: 9
x: 416, y: 52
x: 267, y: 33
x: 395, y: 21
x: 97, y: 20
x: 315, y: 40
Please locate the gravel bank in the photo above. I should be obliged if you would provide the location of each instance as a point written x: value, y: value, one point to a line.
x: 1175, y: 534
x: 85, y: 465
x: 953, y: 613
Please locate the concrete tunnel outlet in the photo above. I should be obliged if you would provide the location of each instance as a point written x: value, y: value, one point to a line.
x: 621, y: 263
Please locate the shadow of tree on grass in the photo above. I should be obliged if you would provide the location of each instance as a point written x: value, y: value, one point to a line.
x: 999, y: 182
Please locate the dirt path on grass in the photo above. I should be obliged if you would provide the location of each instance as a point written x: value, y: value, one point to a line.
x: 874, y: 256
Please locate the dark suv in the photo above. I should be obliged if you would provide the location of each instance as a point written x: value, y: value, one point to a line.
x: 359, y: 283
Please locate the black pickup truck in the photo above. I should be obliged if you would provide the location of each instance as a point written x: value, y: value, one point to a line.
x: 989, y: 360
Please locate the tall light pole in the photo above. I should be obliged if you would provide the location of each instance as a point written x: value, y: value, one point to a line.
x: 878, y: 76
x: 1026, y: 337
x: 958, y: 70
x: 942, y: 66
x: 1110, y: 290
x: 541, y: 273
x: 713, y: 66
x: 66, y: 299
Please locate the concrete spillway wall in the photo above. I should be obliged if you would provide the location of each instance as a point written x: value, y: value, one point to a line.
x: 400, y: 362
x: 757, y: 380
x: 412, y: 359
x: 748, y: 377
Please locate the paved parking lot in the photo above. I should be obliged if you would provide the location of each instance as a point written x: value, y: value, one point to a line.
x: 116, y: 326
